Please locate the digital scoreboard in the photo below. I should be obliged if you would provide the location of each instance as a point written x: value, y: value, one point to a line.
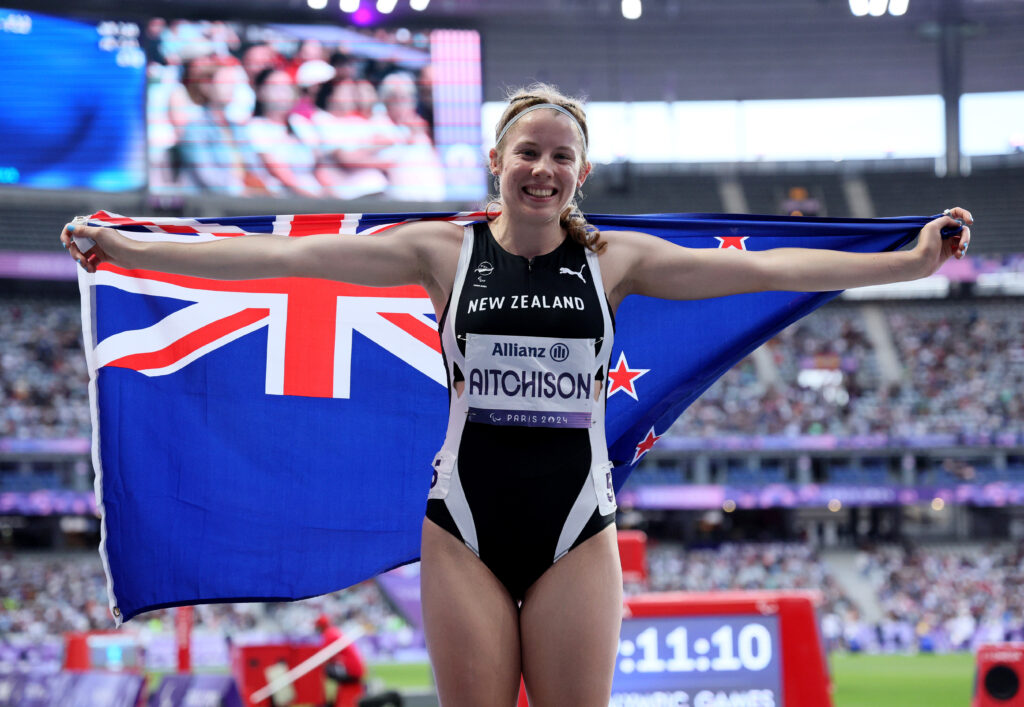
x: 722, y: 649
x: 710, y: 655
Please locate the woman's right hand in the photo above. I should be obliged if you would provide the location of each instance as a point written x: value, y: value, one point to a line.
x: 109, y: 245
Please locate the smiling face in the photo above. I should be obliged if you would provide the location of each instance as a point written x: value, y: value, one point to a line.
x: 277, y: 93
x: 343, y: 98
x: 540, y: 163
x: 221, y: 88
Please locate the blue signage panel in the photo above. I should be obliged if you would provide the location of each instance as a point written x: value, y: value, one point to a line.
x: 699, y: 661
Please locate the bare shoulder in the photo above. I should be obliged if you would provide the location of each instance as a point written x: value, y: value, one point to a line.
x: 432, y: 240
x: 639, y: 263
x: 436, y: 245
x: 622, y: 250
x: 625, y: 245
x: 623, y: 236
x: 428, y: 231
x: 622, y: 243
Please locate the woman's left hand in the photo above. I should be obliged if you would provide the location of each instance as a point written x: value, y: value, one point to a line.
x: 932, y: 250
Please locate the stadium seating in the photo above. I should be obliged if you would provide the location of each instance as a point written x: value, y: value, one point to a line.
x: 992, y: 194
x: 47, y: 594
x: 958, y: 355
x: 939, y: 598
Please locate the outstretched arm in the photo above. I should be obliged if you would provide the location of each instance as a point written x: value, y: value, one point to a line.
x: 409, y: 254
x: 652, y: 266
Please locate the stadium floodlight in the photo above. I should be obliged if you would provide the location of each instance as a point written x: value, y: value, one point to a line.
x: 419, y: 5
x: 385, y: 7
x: 317, y: 4
x: 876, y: 8
x: 348, y: 5
x: 898, y: 7
x: 631, y: 9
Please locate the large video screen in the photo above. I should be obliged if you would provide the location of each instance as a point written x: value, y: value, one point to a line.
x: 316, y: 111
x: 71, y: 103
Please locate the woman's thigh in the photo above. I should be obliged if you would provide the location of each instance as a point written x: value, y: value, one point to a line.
x: 471, y: 625
x: 569, y: 626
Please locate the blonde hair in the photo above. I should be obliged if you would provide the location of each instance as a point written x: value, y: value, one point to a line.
x: 571, y: 218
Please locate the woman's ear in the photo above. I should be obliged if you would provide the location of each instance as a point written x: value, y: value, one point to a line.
x: 584, y: 173
x: 495, y: 164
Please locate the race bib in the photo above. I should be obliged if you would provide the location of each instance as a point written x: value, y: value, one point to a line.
x: 530, y: 381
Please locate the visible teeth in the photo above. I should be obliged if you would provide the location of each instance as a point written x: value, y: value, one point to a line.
x: 539, y: 192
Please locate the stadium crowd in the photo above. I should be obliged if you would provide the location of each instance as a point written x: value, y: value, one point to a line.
x: 43, y: 376
x: 935, y: 600
x: 744, y: 567
x: 944, y: 600
x: 44, y: 595
x: 965, y: 358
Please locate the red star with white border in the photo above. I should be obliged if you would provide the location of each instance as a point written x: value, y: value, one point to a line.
x: 737, y: 242
x: 622, y: 377
x: 645, y: 445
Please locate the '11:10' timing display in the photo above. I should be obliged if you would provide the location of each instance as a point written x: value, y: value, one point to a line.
x: 698, y: 653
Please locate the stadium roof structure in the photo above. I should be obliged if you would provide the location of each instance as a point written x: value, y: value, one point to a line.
x: 692, y: 50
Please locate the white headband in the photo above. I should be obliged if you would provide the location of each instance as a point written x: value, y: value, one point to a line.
x: 560, y: 109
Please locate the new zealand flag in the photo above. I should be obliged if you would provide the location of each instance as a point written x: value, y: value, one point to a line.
x: 271, y: 439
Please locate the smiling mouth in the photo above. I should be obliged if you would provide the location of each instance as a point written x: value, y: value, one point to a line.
x: 539, y: 193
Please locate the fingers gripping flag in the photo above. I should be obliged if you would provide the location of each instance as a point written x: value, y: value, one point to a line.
x: 271, y: 439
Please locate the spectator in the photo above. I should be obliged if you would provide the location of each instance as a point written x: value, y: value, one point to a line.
x: 289, y: 162
x: 416, y: 172
x: 215, y: 153
x: 350, y: 144
x: 309, y: 77
x: 800, y: 203
x: 258, y: 57
x: 346, y: 68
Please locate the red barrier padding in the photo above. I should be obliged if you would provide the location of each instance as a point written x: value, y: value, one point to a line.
x: 184, y: 617
x: 633, y: 555
x: 249, y: 666
x: 76, y: 652
x: 116, y: 651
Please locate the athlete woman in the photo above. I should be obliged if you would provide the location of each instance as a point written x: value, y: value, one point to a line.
x: 520, y: 569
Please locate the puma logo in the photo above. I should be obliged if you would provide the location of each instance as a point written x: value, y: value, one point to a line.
x: 567, y: 271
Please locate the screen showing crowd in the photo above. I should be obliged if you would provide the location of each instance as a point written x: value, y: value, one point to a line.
x: 313, y: 111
